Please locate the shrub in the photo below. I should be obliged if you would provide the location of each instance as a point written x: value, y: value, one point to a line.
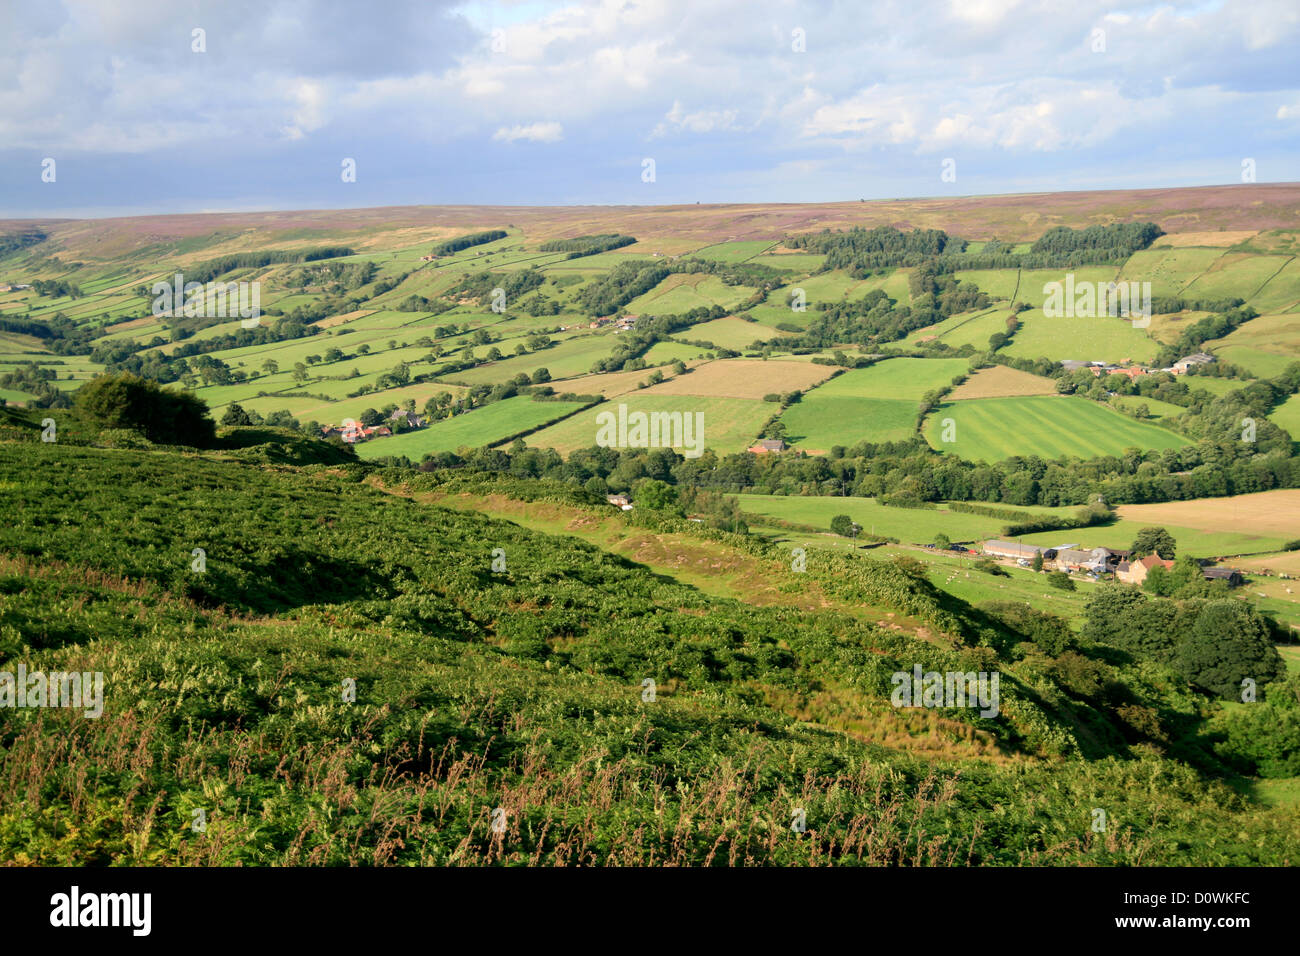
x: 162, y: 415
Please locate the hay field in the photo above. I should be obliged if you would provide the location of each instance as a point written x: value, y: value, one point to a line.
x: 1002, y: 381
x: 1265, y: 513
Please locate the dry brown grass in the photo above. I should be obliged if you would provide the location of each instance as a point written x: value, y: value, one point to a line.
x: 334, y: 320
x: 745, y: 378
x: 1001, y: 381
x: 1263, y: 513
x: 1216, y: 239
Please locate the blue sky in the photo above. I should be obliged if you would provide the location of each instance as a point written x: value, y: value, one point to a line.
x: 561, y: 103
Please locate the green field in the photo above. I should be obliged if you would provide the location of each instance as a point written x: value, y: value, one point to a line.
x: 1088, y: 339
x: 730, y: 424
x: 966, y: 328
x: 1265, y: 345
x: 991, y: 429
x: 875, y: 404
x: 1287, y: 415
x: 473, y: 429
x: 895, y: 378
x: 728, y: 333
x: 1168, y: 270
x: 686, y: 291
x: 909, y: 525
x: 570, y: 357
x: 1155, y: 408
x: 738, y: 251
x: 819, y: 423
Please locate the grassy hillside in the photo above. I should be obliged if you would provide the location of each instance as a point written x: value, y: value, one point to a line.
x: 517, y: 693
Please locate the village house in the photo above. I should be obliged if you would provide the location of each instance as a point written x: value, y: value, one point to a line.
x: 620, y: 501
x: 768, y: 445
x: 1135, y: 572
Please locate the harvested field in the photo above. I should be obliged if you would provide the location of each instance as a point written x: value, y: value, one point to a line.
x: 1264, y: 513
x: 1002, y: 381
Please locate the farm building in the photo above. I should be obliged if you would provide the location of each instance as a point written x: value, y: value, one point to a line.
x: 1234, y: 577
x: 1197, y: 358
x: 1135, y: 572
x: 620, y: 501
x: 1071, y: 559
x: 1010, y: 549
x: 768, y: 445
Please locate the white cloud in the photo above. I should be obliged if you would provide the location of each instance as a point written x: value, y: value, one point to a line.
x: 533, y: 132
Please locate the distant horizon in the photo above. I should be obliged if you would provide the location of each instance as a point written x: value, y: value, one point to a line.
x: 631, y: 205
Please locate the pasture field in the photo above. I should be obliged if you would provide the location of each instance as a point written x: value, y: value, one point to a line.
x: 1265, y: 346
x: 965, y: 328
x: 1100, y: 339
x: 1237, y: 274
x: 682, y: 292
x: 1214, y: 384
x: 876, y: 404
x: 1281, y: 293
x: 730, y: 424
x: 819, y: 422
x: 796, y: 261
x: 1032, y: 281
x: 995, y: 283
x: 992, y: 429
x: 1001, y: 381
x: 567, y: 359
x: 909, y: 525
x: 729, y: 333
x: 664, y: 352
x: 473, y: 429
x: 1287, y: 416
x: 1156, y: 408
x: 1169, y: 270
x: 737, y: 251
x: 743, y: 378
x: 895, y: 378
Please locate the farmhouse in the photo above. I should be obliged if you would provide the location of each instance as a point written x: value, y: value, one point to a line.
x: 1135, y: 572
x: 1010, y: 549
x: 409, y: 419
x: 768, y: 445
x: 620, y: 501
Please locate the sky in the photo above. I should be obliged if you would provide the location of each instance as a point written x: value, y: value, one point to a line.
x: 134, y: 107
